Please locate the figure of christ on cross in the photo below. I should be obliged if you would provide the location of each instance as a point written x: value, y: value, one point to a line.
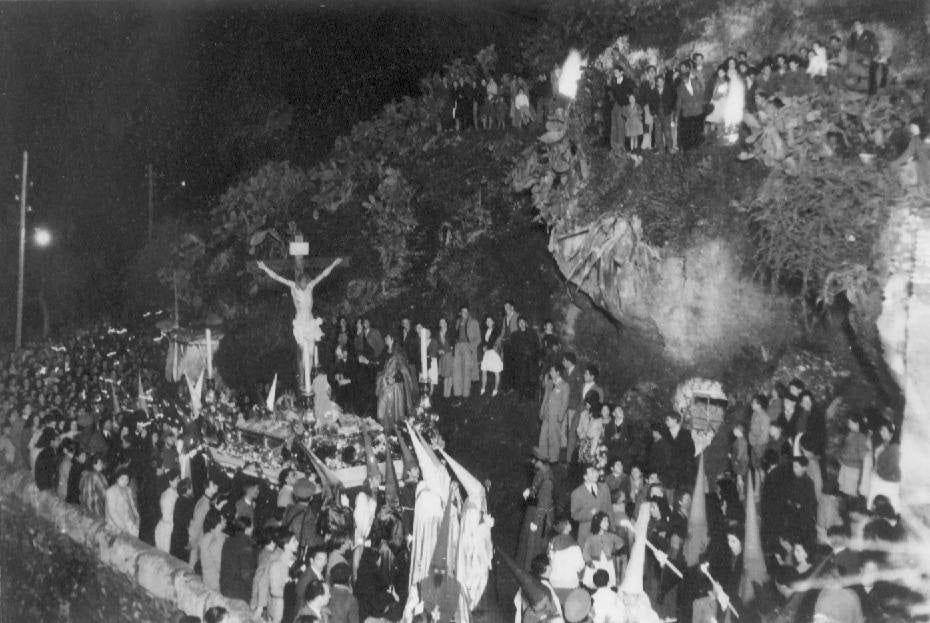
x: 307, y: 329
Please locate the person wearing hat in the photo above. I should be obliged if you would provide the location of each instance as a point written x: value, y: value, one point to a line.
x: 539, y: 515
x: 300, y: 518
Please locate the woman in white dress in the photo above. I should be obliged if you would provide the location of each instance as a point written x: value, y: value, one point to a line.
x: 734, y: 105
x: 491, y: 359
x: 718, y: 100
x: 166, y: 503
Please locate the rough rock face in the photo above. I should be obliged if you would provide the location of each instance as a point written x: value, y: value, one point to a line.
x: 698, y: 301
x: 904, y: 328
x: 161, y: 575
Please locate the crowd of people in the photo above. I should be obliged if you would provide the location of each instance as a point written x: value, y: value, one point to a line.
x: 673, y: 105
x: 77, y: 415
x: 818, y: 509
x: 101, y: 429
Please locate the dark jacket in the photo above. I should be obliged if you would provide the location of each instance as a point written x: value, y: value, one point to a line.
x: 343, y: 606
x: 411, y: 346
x: 865, y: 44
x: 649, y: 96
x: 689, y: 103
x: 575, y: 382
x: 667, y: 101
x: 237, y: 567
x: 46, y: 471
x: 308, y: 577
x: 620, y: 93
x: 681, y: 472
x: 491, y: 341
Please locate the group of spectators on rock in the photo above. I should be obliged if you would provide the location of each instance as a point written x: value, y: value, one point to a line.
x: 487, y: 102
x: 823, y: 496
x: 502, y: 352
x: 676, y: 105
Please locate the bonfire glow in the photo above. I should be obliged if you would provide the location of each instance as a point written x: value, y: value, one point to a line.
x: 571, y: 74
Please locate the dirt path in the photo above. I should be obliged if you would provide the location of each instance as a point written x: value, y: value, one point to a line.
x: 493, y: 437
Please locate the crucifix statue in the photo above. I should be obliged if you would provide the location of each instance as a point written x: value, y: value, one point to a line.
x: 307, y: 328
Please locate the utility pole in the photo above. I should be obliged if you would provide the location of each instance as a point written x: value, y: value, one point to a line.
x: 22, y: 252
x: 151, y: 183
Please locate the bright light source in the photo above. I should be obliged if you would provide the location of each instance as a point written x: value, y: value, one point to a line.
x: 571, y: 74
x: 42, y: 237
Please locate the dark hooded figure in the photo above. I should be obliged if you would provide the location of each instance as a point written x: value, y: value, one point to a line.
x: 396, y: 387
x: 440, y: 591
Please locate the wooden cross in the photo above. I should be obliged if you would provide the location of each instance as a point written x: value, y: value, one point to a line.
x: 299, y: 249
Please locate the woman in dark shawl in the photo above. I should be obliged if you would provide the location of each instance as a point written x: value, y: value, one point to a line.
x: 397, y: 387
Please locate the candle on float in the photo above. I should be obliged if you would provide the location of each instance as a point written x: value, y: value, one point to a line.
x: 424, y: 363
x: 209, y: 354
x: 307, y: 356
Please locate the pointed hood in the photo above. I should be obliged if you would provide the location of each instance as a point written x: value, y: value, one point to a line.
x: 633, y: 578
x: 371, y: 463
x: 328, y: 478
x: 440, y: 561
x: 196, y: 393
x: 272, y: 394
x: 696, y: 542
x: 405, y: 454
x: 391, y: 489
x: 754, y: 571
x: 534, y: 592
x: 435, y: 475
x: 472, y: 486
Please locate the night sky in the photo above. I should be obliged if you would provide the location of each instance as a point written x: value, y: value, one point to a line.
x: 97, y: 91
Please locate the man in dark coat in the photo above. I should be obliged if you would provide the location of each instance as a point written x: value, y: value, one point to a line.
x: 524, y: 349
x: 689, y: 109
x: 588, y: 499
x: 681, y: 470
x: 238, y: 560
x: 410, y: 343
x: 574, y: 378
x: 539, y: 517
x: 300, y: 517
x: 799, y: 507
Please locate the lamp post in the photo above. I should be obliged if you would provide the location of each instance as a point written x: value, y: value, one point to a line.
x: 22, y: 253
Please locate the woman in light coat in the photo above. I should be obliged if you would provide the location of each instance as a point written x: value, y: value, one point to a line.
x: 122, y: 513
x: 166, y: 503
x: 552, y: 414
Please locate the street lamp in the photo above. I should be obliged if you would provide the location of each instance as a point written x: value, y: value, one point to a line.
x: 42, y: 237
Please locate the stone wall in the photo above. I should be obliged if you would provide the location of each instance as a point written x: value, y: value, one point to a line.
x: 57, y: 558
x: 904, y: 327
